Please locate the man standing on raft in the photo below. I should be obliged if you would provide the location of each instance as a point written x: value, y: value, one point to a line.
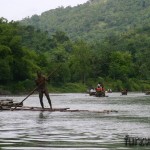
x: 42, y: 89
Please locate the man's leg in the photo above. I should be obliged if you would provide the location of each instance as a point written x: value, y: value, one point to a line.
x: 48, y: 98
x: 41, y: 99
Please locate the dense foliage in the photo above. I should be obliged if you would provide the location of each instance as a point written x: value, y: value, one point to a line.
x: 95, y: 19
x: 118, y: 57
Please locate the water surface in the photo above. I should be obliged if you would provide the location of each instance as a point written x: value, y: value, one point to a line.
x: 37, y: 130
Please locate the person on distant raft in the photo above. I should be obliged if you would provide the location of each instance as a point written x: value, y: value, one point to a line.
x: 42, y: 89
x: 98, y: 85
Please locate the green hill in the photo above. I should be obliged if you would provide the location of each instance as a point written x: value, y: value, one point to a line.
x: 95, y: 19
x: 118, y: 55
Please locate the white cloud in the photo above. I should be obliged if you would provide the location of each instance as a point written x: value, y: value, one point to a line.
x: 19, y: 9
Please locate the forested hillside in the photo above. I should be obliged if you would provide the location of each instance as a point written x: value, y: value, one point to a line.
x: 105, y: 41
x: 95, y: 19
x: 22, y: 55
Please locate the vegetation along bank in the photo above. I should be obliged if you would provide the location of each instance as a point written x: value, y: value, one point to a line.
x: 99, y: 41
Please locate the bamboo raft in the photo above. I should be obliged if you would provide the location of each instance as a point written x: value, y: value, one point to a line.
x: 124, y: 92
x: 147, y: 92
x: 9, y: 105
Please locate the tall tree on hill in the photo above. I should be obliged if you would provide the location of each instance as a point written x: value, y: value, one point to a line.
x: 80, y: 61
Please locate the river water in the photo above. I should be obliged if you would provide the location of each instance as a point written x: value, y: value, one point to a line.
x: 35, y: 130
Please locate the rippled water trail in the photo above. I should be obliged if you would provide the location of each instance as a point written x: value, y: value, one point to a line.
x: 33, y: 130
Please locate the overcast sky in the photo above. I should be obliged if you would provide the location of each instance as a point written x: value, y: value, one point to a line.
x: 19, y: 9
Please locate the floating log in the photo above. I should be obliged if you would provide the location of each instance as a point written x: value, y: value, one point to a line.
x: 8, y: 103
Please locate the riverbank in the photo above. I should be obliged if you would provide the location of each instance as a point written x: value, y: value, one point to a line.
x: 27, y: 86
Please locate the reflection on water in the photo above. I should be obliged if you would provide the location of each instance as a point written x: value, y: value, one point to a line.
x: 32, y: 130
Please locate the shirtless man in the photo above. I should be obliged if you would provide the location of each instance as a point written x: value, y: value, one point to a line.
x: 42, y: 89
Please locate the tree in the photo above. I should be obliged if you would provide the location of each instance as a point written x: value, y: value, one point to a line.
x: 80, y: 61
x: 58, y: 56
x: 121, y: 65
x: 5, y: 64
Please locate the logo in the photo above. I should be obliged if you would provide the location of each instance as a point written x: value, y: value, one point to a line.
x: 136, y: 141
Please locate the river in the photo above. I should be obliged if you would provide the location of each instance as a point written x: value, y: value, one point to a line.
x: 35, y: 130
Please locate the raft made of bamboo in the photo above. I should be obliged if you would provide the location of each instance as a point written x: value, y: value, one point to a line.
x: 27, y: 108
x: 147, y: 93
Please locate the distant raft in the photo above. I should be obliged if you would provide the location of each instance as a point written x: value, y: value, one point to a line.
x: 97, y: 93
x: 124, y: 92
x: 147, y: 92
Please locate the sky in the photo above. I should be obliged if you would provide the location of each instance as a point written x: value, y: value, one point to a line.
x: 19, y: 9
